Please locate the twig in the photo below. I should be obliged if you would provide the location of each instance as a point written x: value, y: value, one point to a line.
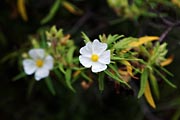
x: 171, y: 25
x: 164, y: 34
x: 80, y: 22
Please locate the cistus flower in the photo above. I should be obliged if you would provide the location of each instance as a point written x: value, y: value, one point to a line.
x: 38, y: 63
x: 95, y: 55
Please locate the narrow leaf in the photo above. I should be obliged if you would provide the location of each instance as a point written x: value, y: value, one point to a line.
x: 43, y: 39
x: 72, y: 8
x: 86, y: 77
x: 165, y: 79
x: 124, y: 43
x: 101, y: 81
x: 144, y: 51
x: 49, y: 84
x: 70, y: 55
x: 68, y: 79
x: 60, y: 76
x: 116, y: 78
x: 166, y: 71
x: 19, y: 76
x: 22, y: 9
x: 154, y: 84
x: 128, y: 67
x: 167, y: 61
x: 85, y: 37
x: 113, y: 38
x: 144, y: 77
x: 30, y: 87
x: 61, y: 68
x: 148, y: 95
x: 52, y: 12
x: 143, y: 40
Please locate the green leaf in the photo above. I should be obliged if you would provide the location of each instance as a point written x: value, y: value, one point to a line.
x: 116, y: 78
x: 86, y: 77
x: 124, y: 43
x: 9, y: 56
x: 176, y: 115
x: 49, y: 84
x: 61, y: 68
x: 60, y: 76
x: 30, y: 87
x: 111, y: 39
x: 165, y: 79
x: 115, y: 69
x: 19, y: 76
x: 86, y: 38
x: 43, y: 38
x: 144, y: 51
x: 143, y: 82
x: 166, y: 71
x: 154, y: 84
x: 68, y: 79
x: 52, y: 12
x: 101, y: 81
x: 70, y: 55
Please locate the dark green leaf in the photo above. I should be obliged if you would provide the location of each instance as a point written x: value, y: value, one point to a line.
x: 143, y: 81
x: 154, y: 84
x: 52, y: 12
x: 166, y: 71
x: 30, y: 87
x: 145, y: 51
x: 68, y: 79
x: 116, y: 78
x: 165, y: 79
x: 49, y: 84
x: 43, y: 39
x: 19, y: 76
x: 86, y: 77
x: 101, y: 81
x: 70, y: 55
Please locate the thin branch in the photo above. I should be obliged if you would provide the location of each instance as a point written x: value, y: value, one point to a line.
x: 81, y: 22
x: 171, y: 25
x: 164, y: 34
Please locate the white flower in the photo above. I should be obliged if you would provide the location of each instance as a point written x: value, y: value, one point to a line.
x: 39, y: 63
x: 95, y: 55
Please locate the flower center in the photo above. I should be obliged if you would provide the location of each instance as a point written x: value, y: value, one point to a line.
x: 39, y: 63
x: 94, y: 57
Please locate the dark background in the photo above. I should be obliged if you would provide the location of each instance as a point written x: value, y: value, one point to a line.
x: 16, y: 103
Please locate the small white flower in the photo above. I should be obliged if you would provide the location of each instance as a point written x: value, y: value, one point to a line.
x: 39, y: 63
x: 95, y: 55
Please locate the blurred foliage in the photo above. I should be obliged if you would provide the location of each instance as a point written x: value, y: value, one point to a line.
x: 27, y: 99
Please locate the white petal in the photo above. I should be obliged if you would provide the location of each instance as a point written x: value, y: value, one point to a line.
x: 105, y: 57
x: 29, y: 66
x: 48, y: 62
x: 41, y: 73
x: 98, y: 47
x: 37, y: 53
x: 85, y: 61
x: 86, y: 50
x: 98, y: 67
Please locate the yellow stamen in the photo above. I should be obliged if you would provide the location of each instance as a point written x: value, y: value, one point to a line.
x: 94, y: 57
x: 39, y: 63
